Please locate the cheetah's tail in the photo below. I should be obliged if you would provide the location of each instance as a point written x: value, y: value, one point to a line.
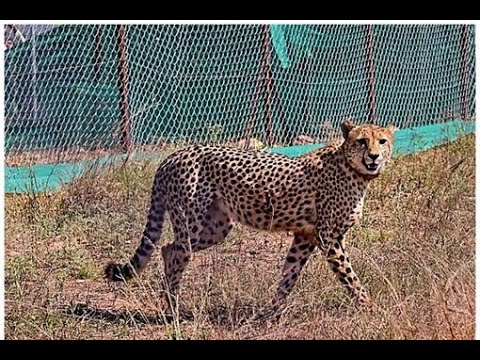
x: 151, y: 236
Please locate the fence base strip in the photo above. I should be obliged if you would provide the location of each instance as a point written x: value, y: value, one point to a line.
x: 51, y: 177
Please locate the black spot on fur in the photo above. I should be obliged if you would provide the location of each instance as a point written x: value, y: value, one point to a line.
x: 142, y: 252
x: 291, y: 259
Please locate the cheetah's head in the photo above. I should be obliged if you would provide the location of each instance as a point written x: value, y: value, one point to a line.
x: 368, y: 147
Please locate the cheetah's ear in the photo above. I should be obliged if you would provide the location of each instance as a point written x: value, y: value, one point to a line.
x: 347, y: 126
x: 392, y: 129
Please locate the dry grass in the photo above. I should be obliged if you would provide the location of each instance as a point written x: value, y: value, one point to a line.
x: 414, y: 251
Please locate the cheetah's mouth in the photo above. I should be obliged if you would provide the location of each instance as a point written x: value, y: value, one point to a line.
x: 371, y: 166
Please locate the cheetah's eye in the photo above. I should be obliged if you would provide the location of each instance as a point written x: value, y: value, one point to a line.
x: 382, y: 141
x: 362, y: 142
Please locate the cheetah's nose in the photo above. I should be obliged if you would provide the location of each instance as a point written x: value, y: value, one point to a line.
x: 373, y: 156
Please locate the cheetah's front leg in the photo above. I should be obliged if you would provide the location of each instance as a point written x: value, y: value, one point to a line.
x: 300, y: 250
x: 337, y: 257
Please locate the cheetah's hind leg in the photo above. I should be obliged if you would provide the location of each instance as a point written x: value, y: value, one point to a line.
x: 203, y: 232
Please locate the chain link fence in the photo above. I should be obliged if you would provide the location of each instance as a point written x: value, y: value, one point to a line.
x: 79, y: 91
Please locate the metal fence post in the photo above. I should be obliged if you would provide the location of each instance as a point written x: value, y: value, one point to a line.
x: 98, y: 52
x: 464, y: 99
x: 33, y: 41
x: 256, y: 95
x: 96, y: 67
x: 123, y: 86
x: 264, y: 74
x: 268, y: 88
x: 370, y: 73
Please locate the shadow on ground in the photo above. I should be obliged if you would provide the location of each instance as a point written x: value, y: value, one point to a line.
x: 218, y: 315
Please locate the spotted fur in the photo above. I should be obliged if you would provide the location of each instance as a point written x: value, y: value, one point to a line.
x: 318, y: 197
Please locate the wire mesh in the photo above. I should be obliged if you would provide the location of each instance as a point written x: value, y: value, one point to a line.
x: 78, y: 91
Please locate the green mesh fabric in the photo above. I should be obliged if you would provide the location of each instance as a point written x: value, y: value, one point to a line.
x: 58, y: 98
x: 87, y: 90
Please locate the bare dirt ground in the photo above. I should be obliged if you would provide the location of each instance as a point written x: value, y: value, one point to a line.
x: 414, y: 251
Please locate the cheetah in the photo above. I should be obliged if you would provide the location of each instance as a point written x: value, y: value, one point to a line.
x: 317, y: 197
